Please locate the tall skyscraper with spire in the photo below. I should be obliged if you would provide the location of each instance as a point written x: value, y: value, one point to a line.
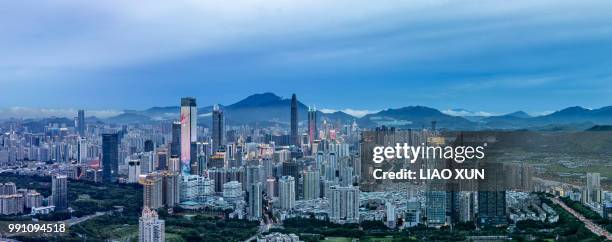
x: 189, y: 117
x: 295, y: 139
x: 218, y: 128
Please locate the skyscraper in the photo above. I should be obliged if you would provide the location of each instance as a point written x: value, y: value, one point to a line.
x: 312, y: 126
x: 295, y: 139
x: 255, y: 211
x: 311, y: 184
x: 59, y: 191
x: 149, y: 146
x: 290, y: 168
x: 110, y: 157
x: 218, y: 128
x: 593, y: 188
x: 175, y: 145
x: 435, y: 209
x: 152, y: 191
x: 170, y: 188
x: 81, y: 123
x: 189, y: 117
x: 492, y: 208
x: 286, y: 192
x: 150, y: 227
x: 82, y: 151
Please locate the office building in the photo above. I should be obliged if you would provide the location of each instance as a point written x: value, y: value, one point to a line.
x: 110, y: 157
x: 59, y: 191
x: 313, y: 132
x: 175, y: 144
x: 149, y: 146
x: 593, y: 188
x: 290, y: 168
x: 81, y: 123
x: 492, y: 208
x: 218, y: 128
x: 295, y: 139
x: 435, y: 208
x: 189, y: 134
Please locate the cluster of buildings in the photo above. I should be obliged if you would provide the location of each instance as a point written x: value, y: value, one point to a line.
x: 15, y: 201
x: 256, y: 172
x: 591, y: 194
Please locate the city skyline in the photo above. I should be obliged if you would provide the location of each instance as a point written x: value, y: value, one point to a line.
x: 530, y: 56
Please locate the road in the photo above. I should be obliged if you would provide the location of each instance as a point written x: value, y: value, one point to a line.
x: 593, y: 227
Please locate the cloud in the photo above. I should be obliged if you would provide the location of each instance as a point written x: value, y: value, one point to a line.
x: 463, y: 112
x: 352, y: 112
x: 27, y: 112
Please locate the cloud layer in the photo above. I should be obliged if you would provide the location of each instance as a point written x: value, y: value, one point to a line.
x: 486, y: 55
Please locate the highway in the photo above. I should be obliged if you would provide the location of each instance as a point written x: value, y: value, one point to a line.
x: 593, y: 227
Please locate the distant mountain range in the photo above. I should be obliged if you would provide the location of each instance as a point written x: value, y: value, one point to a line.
x: 269, y: 109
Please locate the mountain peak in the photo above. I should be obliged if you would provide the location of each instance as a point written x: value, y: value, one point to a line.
x: 518, y: 114
x: 257, y: 100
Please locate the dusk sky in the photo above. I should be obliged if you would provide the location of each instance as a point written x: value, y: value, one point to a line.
x: 485, y: 56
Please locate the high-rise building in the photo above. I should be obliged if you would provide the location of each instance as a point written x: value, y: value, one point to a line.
x: 254, y: 174
x: 150, y: 227
x: 218, y: 128
x: 33, y: 199
x: 271, y: 187
x: 133, y: 171
x: 413, y: 213
x: 175, y: 145
x: 255, y: 209
x: 11, y: 204
x: 81, y: 123
x: 171, y: 183
x: 391, y: 216
x: 189, y: 134
x: 290, y: 168
x: 295, y: 139
x: 232, y: 191
x: 152, y: 191
x: 593, y: 188
x: 312, y: 126
x: 110, y: 157
x: 435, y: 209
x: 174, y: 164
x: 59, y: 191
x: 286, y: 192
x: 149, y: 146
x: 161, y: 159
x: 344, y: 204
x: 8, y: 188
x: 82, y: 151
x: 492, y: 208
x: 312, y: 184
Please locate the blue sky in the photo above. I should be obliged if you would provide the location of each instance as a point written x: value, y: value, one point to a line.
x: 486, y: 56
